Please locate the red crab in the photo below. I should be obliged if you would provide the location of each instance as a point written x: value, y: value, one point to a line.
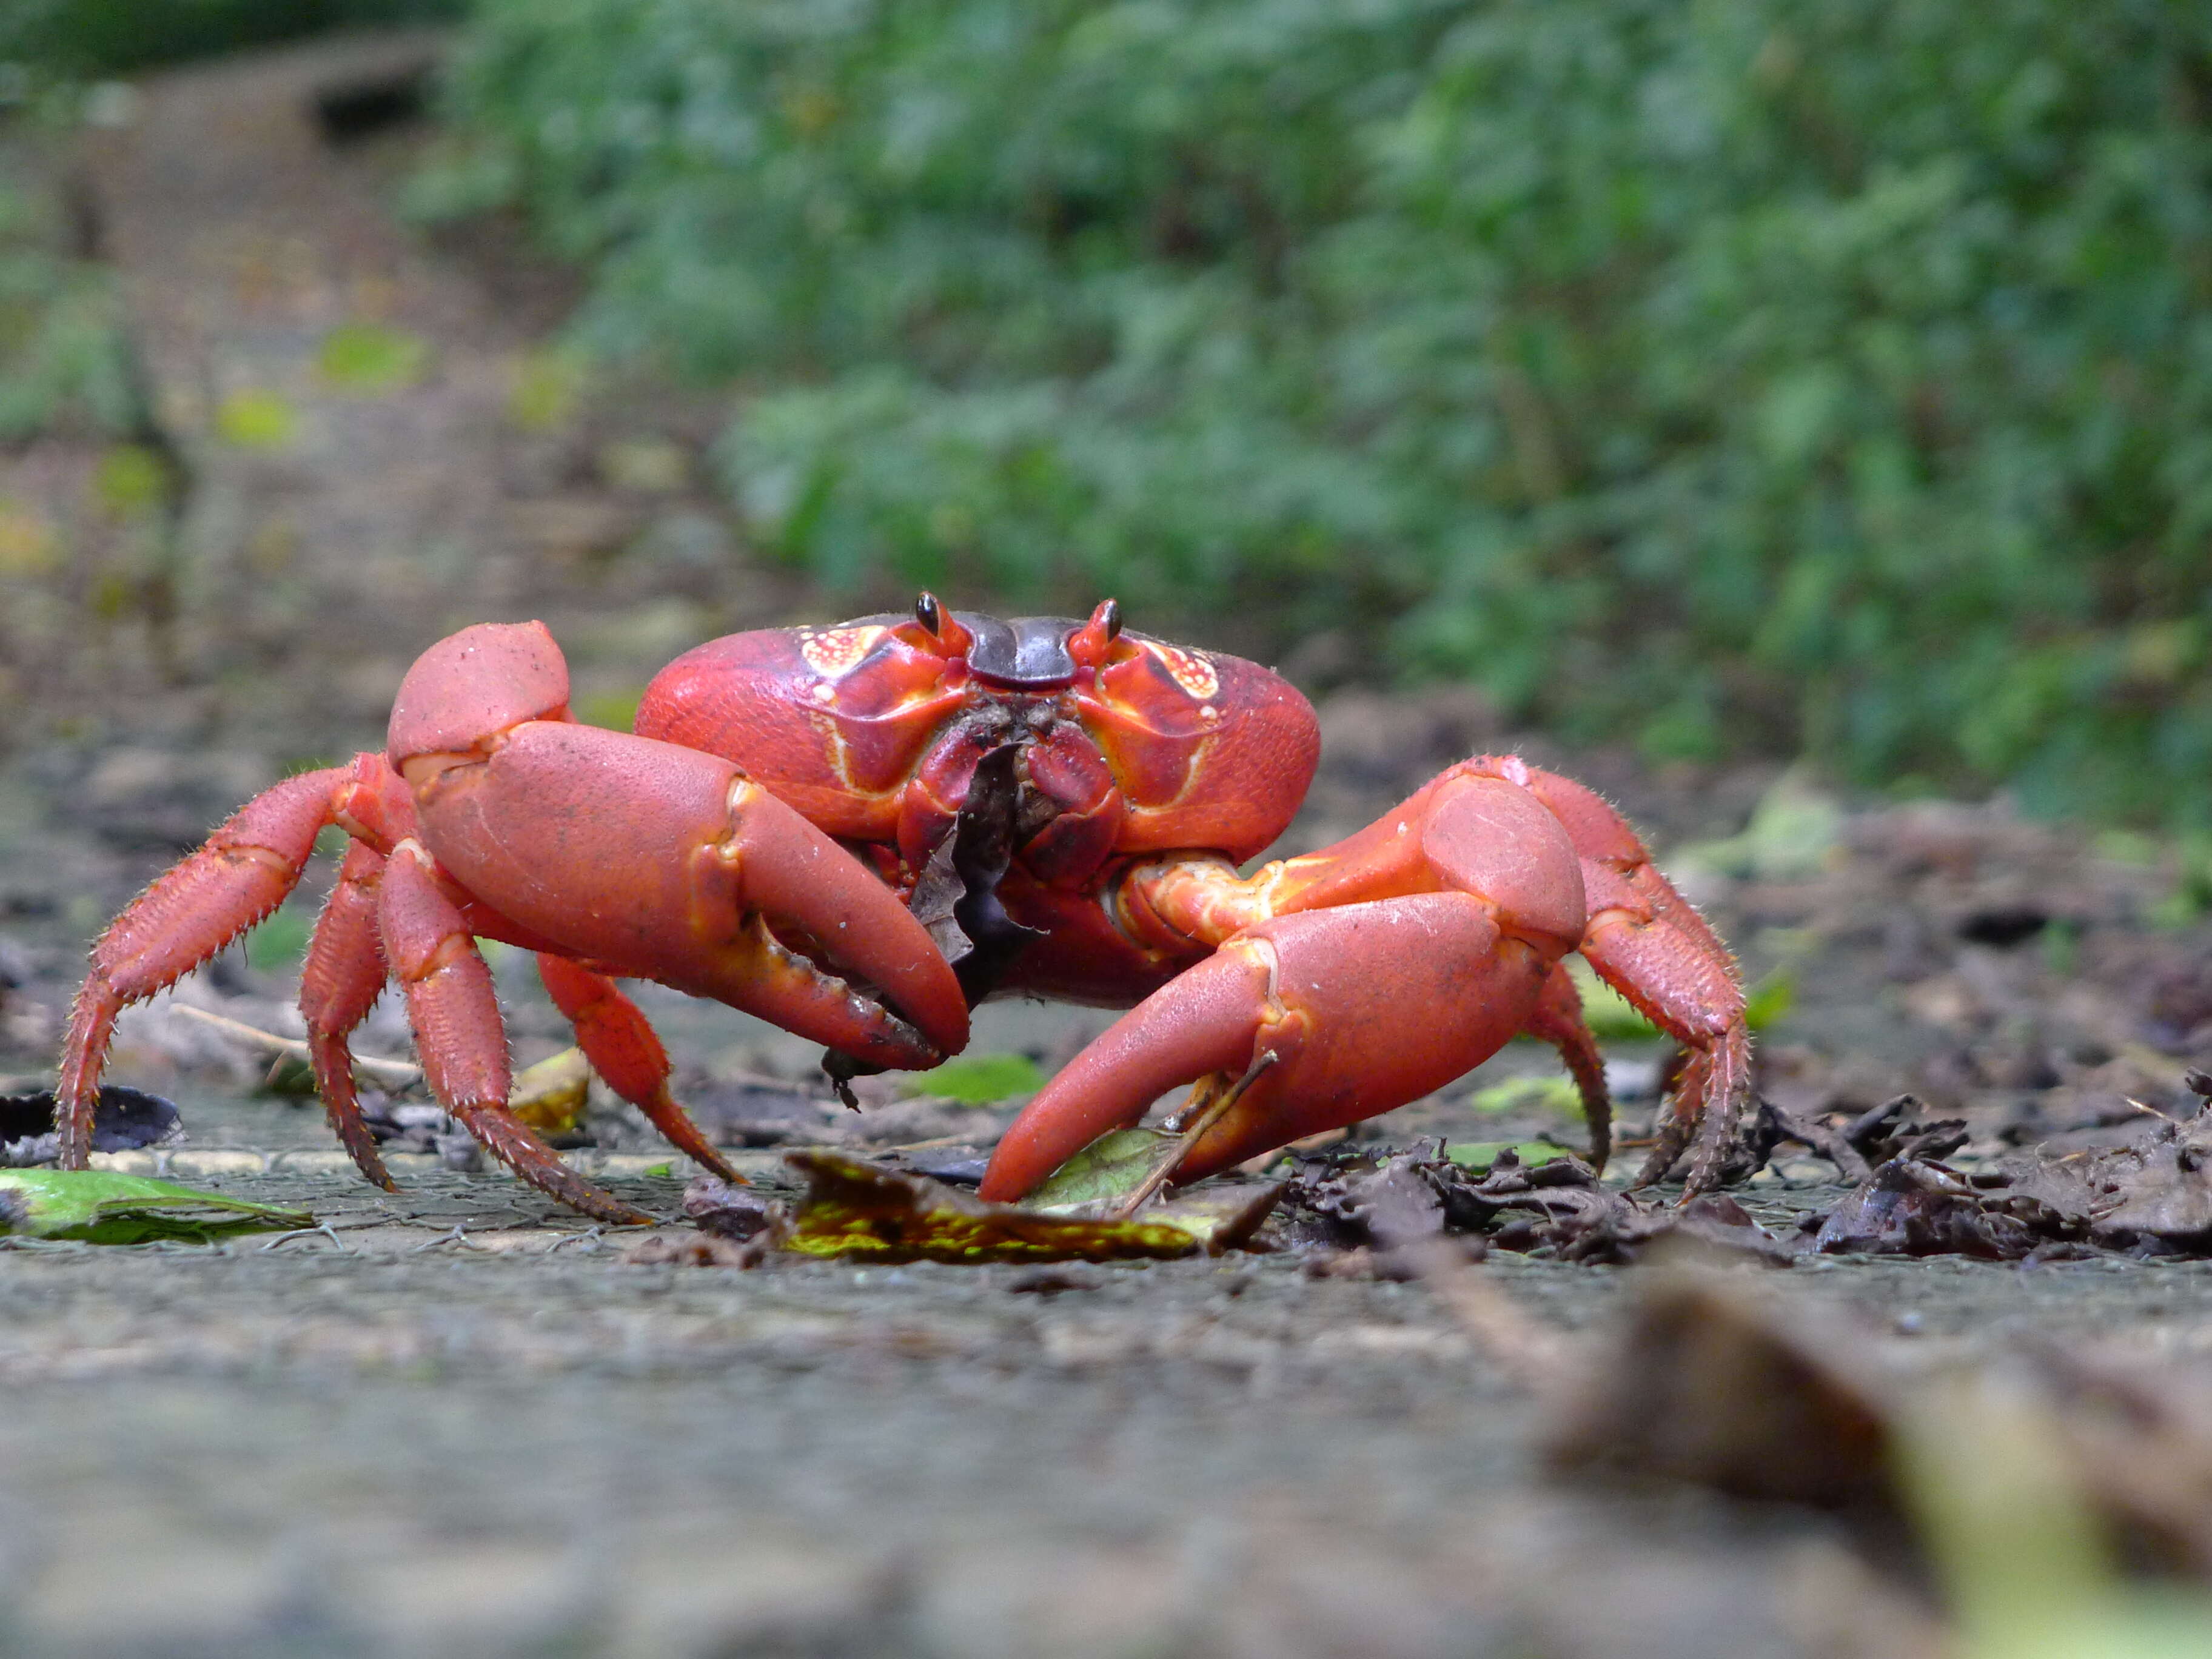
x: 859, y: 832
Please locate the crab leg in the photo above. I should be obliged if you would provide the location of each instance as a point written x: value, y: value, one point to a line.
x: 339, y: 982
x: 1558, y: 1021
x: 1650, y: 944
x: 459, y: 1033
x: 192, y: 911
x: 626, y: 1053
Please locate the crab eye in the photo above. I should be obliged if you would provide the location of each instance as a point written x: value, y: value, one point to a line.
x: 1090, y: 644
x: 941, y: 630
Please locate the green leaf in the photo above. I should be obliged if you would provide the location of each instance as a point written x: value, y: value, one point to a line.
x: 281, y: 940
x: 1771, y: 998
x: 367, y: 357
x: 979, y: 1080
x: 1112, y: 1166
x: 1481, y: 1154
x: 101, y: 1207
x: 1552, y: 1094
x: 1610, y: 1015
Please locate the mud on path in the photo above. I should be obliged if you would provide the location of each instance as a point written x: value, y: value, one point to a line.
x: 459, y: 1422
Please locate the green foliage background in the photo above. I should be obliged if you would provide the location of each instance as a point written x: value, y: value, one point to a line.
x: 112, y: 37
x: 1832, y: 374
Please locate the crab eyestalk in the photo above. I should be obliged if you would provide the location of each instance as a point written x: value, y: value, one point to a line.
x: 1090, y: 644
x: 946, y: 633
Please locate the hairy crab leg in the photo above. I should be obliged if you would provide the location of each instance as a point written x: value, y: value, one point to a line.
x: 624, y: 1050
x: 192, y: 910
x: 1558, y: 1021
x: 1650, y: 944
x: 339, y: 982
x: 460, y: 1035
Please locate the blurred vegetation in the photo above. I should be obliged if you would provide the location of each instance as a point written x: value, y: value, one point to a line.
x: 112, y: 37
x: 65, y: 362
x: 1756, y: 374
x: 1820, y: 373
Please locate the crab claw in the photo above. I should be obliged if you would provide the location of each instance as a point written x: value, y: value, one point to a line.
x: 676, y: 865
x: 1363, y: 1007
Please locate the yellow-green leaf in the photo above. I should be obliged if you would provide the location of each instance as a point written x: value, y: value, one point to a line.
x: 256, y: 418
x: 367, y: 357
x: 854, y: 1208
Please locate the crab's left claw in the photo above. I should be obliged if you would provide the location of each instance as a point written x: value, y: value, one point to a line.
x: 674, y: 864
x: 1363, y: 1007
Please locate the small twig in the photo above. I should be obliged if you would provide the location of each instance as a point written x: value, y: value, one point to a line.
x: 1205, y: 1120
x: 396, y: 1071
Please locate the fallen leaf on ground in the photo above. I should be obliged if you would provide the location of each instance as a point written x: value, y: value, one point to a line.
x: 1556, y: 1208
x: 2151, y: 1195
x: 1914, y: 1206
x: 1113, y: 1166
x: 1707, y: 1383
x: 854, y: 1208
x: 1550, y: 1094
x: 549, y: 1095
x: 100, y: 1207
x: 1888, y: 1131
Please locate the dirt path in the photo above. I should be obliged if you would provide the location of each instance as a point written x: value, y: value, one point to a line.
x: 403, y: 1438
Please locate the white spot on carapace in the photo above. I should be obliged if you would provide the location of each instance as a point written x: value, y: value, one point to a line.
x: 1209, y: 713
x: 835, y: 651
x: 825, y: 692
x: 1192, y: 669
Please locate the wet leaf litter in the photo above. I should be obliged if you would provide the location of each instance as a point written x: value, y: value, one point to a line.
x: 1352, y: 1209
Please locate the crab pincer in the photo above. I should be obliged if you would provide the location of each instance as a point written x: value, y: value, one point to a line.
x: 1362, y: 1008
x: 670, y: 862
x: 815, y: 823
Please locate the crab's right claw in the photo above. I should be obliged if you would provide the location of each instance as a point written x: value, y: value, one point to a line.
x: 669, y: 863
x: 1362, y: 1008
